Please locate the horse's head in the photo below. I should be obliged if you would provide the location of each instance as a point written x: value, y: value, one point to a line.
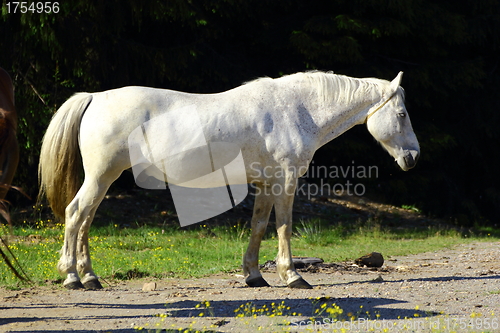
x: 389, y: 123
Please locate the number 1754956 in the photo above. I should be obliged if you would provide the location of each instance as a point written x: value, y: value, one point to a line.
x: 24, y: 7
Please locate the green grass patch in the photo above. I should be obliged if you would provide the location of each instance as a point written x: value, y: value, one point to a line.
x: 134, y: 252
x: 348, y: 241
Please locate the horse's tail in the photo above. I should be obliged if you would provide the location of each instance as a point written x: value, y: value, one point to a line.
x: 60, y: 161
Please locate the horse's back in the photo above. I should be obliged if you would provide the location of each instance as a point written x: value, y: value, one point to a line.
x: 120, y: 111
x: 256, y: 117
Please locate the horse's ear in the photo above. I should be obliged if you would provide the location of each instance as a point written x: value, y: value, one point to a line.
x: 396, y: 82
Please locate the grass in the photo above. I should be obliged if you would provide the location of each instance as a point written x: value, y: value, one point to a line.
x: 142, y: 250
x: 129, y: 252
x: 342, y: 242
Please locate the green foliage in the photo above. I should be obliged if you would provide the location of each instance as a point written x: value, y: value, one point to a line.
x: 448, y: 51
x: 310, y: 231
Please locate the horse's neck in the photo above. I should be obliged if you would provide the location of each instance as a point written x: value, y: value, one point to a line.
x: 337, y: 116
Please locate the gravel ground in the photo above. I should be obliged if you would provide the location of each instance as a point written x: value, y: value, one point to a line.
x: 455, y: 290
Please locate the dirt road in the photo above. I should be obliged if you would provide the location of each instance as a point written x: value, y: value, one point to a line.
x: 456, y: 290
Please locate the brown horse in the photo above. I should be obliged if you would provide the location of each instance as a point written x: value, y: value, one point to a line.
x: 9, y: 158
x: 9, y: 149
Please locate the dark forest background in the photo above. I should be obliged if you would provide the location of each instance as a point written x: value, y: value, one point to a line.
x: 449, y: 51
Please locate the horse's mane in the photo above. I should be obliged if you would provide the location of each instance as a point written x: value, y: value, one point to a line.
x: 330, y: 87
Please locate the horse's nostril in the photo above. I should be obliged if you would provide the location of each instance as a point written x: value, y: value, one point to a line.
x: 411, y: 158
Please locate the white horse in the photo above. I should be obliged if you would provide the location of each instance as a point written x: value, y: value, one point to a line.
x: 277, y: 123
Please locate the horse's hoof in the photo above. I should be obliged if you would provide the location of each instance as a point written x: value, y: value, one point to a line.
x: 92, y: 284
x: 300, y: 284
x: 257, y: 282
x: 74, y: 285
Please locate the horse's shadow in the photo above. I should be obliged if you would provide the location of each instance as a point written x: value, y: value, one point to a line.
x: 369, y: 308
x: 378, y: 308
x: 359, y: 307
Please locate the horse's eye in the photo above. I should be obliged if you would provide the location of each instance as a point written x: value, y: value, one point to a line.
x: 402, y: 114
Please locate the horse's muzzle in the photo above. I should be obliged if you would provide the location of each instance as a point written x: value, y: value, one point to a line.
x: 411, y: 157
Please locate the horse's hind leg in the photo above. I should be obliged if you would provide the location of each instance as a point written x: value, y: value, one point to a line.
x: 84, y: 265
x: 261, y: 211
x: 79, y: 215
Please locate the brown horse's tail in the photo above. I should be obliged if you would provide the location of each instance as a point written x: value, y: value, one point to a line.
x: 60, y: 160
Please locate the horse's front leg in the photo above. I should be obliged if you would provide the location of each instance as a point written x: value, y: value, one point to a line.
x: 261, y: 211
x: 283, y: 210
